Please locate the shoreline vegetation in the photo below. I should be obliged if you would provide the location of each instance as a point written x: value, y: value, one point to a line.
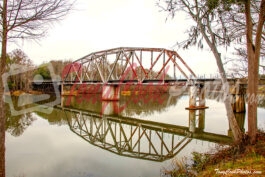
x: 234, y: 160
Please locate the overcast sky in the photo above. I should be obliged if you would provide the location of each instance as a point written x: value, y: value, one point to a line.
x: 104, y: 24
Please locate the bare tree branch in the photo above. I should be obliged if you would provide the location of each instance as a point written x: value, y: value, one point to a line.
x: 31, y: 18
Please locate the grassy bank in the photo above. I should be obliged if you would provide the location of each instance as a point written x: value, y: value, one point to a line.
x: 246, y: 160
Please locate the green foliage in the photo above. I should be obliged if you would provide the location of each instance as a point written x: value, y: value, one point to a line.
x: 43, y: 71
x: 11, y: 85
x: 200, y: 161
x: 224, y: 4
x: 212, y: 4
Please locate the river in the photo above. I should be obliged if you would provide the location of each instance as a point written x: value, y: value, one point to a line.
x: 135, y: 137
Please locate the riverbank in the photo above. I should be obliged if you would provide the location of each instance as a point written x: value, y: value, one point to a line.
x: 20, y: 92
x: 248, y: 160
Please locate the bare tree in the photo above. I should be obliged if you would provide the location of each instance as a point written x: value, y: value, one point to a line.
x: 24, y: 19
x: 2, y: 104
x: 210, y: 28
x: 253, y: 51
x: 213, y: 19
x: 251, y: 24
x: 237, y: 64
x: 237, y: 23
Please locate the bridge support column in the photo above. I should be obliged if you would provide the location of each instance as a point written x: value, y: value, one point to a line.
x: 196, y: 104
x: 110, y: 107
x: 238, y: 98
x: 201, y: 119
x: 200, y: 116
x: 193, y: 96
x: 197, y: 95
x: 192, y: 120
x: 111, y: 92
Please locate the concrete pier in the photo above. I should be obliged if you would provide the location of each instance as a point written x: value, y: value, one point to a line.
x: 192, y: 121
x: 196, y: 97
x: 193, y: 96
x: 196, y: 116
x: 110, y: 107
x: 111, y: 92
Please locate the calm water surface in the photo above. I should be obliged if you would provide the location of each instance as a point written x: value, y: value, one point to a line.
x: 136, y: 137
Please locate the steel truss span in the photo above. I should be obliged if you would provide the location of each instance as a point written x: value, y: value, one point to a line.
x: 128, y: 138
x: 136, y: 138
x: 127, y: 63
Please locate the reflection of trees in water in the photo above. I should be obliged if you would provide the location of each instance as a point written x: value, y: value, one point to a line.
x: 56, y: 117
x: 147, y: 104
x: 16, y: 125
x: 143, y: 104
x: 91, y: 102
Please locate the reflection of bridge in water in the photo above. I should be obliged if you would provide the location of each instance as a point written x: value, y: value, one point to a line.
x: 137, y: 138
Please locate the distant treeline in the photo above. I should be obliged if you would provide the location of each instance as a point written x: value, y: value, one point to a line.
x: 22, y: 71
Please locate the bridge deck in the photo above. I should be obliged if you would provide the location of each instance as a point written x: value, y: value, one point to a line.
x: 147, y: 81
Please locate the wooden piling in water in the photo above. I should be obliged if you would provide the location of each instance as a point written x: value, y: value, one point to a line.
x: 238, y: 98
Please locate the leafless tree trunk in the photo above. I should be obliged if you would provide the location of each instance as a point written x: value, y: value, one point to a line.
x: 237, y: 133
x: 239, y: 62
x: 2, y: 133
x: 2, y: 104
x: 253, y: 51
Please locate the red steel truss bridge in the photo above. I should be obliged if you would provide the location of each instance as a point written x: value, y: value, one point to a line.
x: 128, y: 64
